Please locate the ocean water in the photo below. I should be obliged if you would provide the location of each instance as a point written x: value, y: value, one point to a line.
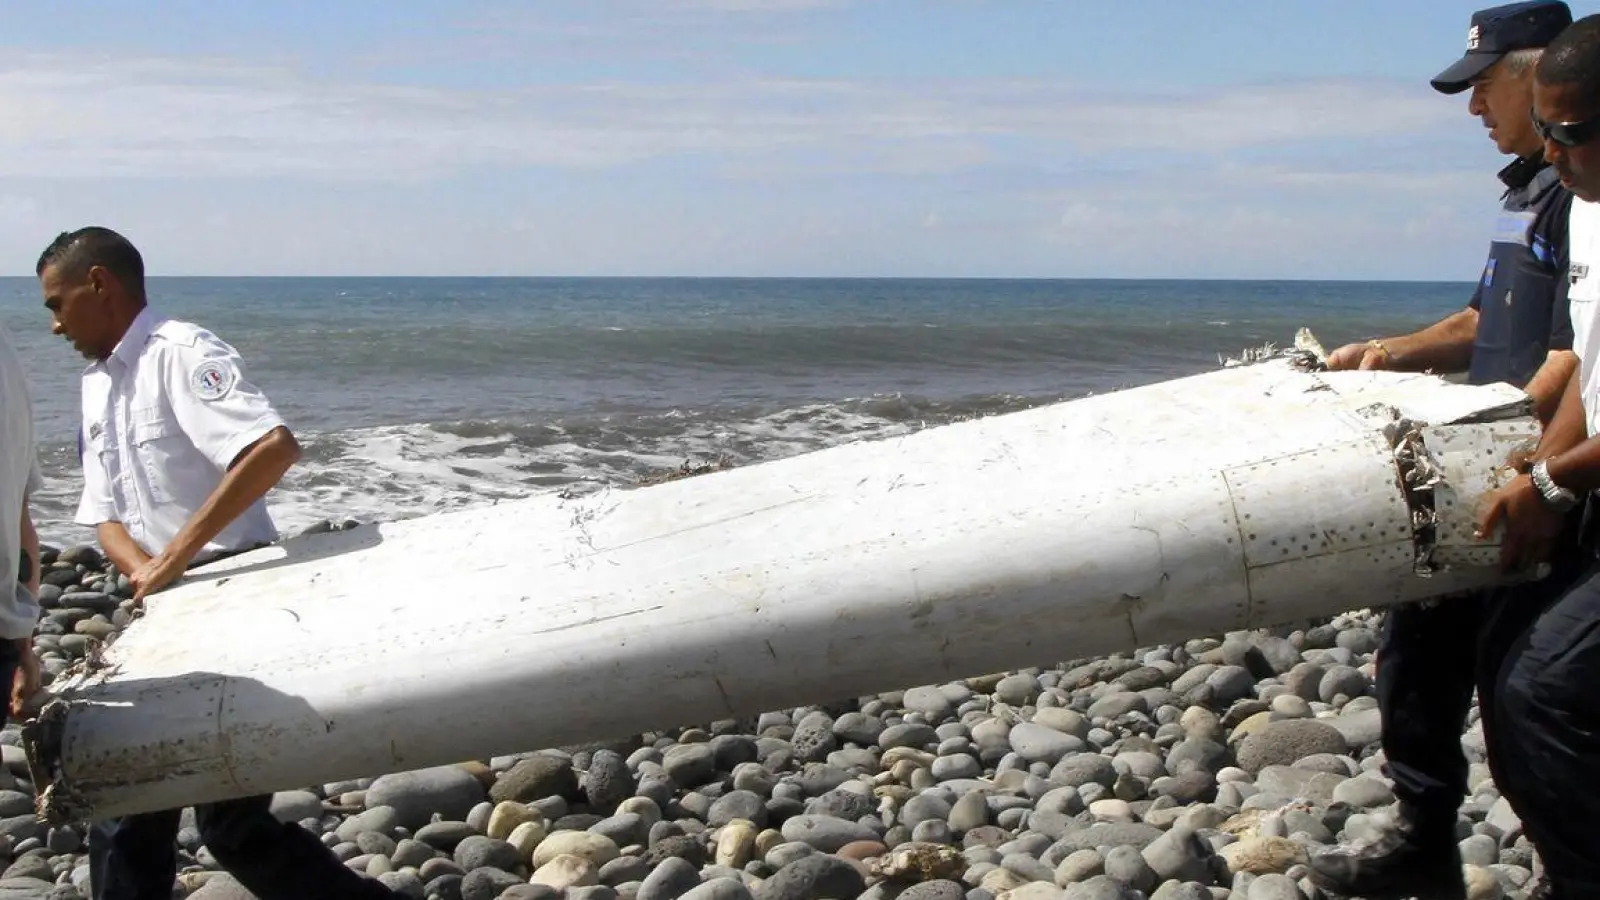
x: 417, y: 395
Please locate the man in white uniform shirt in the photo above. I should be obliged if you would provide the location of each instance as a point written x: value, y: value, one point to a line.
x: 178, y: 451
x: 1542, y: 727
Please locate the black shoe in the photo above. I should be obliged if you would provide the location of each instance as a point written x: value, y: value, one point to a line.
x: 1405, y: 858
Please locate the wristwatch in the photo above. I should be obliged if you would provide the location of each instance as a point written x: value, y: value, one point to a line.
x: 1555, y: 496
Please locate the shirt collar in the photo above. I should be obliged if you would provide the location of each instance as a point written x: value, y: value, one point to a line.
x: 1522, y: 171
x: 133, y: 340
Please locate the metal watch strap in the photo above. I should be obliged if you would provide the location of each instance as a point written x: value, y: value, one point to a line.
x: 1555, y: 496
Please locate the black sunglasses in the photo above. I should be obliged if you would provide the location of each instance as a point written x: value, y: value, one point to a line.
x: 1567, y: 134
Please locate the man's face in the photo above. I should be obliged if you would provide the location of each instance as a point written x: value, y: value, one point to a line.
x: 80, y: 309
x: 1502, y: 100
x: 1578, y: 166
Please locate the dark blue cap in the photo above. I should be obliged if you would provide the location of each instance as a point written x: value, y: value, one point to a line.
x: 1500, y: 30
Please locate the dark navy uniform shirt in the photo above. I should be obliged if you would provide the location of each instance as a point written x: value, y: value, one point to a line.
x: 1521, y: 298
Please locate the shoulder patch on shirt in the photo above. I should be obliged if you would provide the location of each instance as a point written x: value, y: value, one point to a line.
x: 211, y: 379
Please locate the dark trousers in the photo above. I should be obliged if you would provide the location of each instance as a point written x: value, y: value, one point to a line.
x: 1543, y: 720
x: 1427, y: 661
x: 10, y: 662
x: 136, y: 857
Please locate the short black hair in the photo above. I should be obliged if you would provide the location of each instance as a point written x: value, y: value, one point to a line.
x: 1573, y: 58
x: 75, y: 252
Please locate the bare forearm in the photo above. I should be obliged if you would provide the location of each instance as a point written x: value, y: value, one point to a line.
x: 248, y: 480
x: 1571, y: 456
x: 120, y: 547
x: 1568, y: 428
x: 1578, y: 469
x: 1548, y: 386
x: 1445, y: 346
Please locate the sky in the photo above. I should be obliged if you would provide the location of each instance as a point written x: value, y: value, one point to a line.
x: 948, y: 138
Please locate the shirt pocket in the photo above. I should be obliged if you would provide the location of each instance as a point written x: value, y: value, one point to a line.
x: 158, y: 444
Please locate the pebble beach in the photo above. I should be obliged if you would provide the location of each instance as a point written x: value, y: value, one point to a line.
x: 1210, y: 769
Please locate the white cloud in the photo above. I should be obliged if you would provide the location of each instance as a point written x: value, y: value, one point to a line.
x: 1437, y: 183
x: 1190, y: 222
x: 1305, y: 223
x: 199, y: 160
x: 163, y: 117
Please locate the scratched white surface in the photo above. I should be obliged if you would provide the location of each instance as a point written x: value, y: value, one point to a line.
x: 1241, y: 497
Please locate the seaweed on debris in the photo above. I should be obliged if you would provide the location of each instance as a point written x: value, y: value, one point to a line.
x: 687, y: 470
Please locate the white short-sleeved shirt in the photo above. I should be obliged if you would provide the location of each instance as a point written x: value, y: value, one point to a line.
x: 1583, y: 297
x: 163, y: 418
x: 19, y: 477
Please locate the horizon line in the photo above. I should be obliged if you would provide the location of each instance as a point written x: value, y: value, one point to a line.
x: 548, y: 277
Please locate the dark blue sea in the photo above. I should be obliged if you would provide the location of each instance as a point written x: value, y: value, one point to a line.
x: 414, y: 395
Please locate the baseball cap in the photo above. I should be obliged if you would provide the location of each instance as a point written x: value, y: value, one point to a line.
x: 1499, y: 30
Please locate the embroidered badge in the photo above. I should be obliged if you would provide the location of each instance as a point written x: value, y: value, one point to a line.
x: 211, y: 380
